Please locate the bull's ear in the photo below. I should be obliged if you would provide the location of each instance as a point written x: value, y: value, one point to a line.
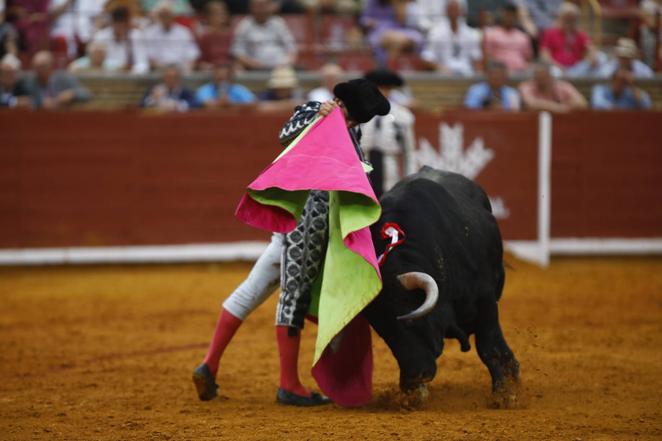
x: 424, y: 281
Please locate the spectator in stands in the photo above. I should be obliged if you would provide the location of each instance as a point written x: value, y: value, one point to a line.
x: 335, y: 7
x: 51, y: 89
x: 8, y: 35
x: 215, y: 37
x: 649, y: 33
x: 77, y: 22
x: 424, y: 14
x: 493, y: 94
x: 620, y: 94
x: 388, y: 141
x: 222, y: 91
x: 179, y: 7
x: 544, y: 92
x: 170, y: 95
x: 32, y: 20
x: 387, y: 30
x: 538, y: 15
x: 507, y: 44
x: 13, y: 90
x: 125, y: 49
x: 262, y: 40
x: 94, y: 61
x: 482, y: 13
x: 169, y: 43
x: 331, y: 75
x: 626, y: 57
x: 283, y: 91
x: 453, y: 48
x: 566, y: 46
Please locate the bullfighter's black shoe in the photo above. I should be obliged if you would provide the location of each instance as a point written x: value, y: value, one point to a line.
x: 292, y: 399
x: 205, y: 383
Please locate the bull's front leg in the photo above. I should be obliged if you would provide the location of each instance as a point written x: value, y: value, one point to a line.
x: 496, y: 355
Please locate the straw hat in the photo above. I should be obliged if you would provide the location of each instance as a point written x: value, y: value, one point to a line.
x: 283, y: 77
x: 626, y: 48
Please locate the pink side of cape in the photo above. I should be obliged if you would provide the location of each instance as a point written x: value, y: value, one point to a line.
x: 324, y: 159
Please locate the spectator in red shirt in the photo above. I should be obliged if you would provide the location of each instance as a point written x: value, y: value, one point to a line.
x: 215, y: 38
x: 32, y: 20
x: 566, y: 46
x: 507, y: 44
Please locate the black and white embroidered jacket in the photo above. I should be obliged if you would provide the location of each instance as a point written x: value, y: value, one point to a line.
x: 304, y: 115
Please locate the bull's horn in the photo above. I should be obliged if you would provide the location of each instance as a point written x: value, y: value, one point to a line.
x: 417, y: 280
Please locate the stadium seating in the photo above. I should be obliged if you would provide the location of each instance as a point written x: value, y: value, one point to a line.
x: 430, y: 90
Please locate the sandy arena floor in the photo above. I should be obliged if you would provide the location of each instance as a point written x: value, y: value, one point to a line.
x: 92, y: 353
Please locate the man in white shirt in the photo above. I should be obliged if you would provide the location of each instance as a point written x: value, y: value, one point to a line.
x: 388, y: 140
x: 169, y: 43
x: 453, y: 47
x: 77, y: 21
x: 262, y: 40
x: 424, y: 14
x: 125, y: 50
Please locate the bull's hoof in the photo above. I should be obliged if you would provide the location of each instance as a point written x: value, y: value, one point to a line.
x: 414, y: 398
x: 506, y: 395
x: 408, y: 385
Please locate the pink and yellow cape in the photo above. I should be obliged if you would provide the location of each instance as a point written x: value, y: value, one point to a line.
x: 323, y: 157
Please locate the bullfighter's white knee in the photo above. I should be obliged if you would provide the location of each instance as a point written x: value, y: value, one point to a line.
x: 261, y: 282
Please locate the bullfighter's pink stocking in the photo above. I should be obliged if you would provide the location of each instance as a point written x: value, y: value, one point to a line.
x: 226, y: 327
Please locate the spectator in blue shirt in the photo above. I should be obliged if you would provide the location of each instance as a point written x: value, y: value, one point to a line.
x: 621, y: 93
x: 222, y: 91
x: 493, y: 94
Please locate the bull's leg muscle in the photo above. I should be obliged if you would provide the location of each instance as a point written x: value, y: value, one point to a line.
x: 492, y: 347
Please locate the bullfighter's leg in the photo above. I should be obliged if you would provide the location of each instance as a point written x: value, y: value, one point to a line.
x: 494, y: 351
x: 260, y: 283
x: 303, y: 256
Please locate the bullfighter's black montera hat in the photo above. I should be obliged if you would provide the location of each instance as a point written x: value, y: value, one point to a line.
x: 362, y: 99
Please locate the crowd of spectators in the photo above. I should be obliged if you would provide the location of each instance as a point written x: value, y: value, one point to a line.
x: 499, y: 39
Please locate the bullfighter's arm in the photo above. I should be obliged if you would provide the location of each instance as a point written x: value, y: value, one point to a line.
x: 303, y: 115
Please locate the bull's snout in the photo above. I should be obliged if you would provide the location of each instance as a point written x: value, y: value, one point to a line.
x: 414, y: 379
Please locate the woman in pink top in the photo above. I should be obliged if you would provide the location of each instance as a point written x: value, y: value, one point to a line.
x: 507, y: 44
x: 565, y: 45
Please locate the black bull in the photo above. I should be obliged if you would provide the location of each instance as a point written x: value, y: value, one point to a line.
x: 452, y: 236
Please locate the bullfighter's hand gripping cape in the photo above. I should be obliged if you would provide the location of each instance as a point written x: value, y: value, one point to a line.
x: 323, y: 157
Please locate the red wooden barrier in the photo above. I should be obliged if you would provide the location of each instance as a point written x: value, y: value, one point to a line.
x: 104, y: 179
